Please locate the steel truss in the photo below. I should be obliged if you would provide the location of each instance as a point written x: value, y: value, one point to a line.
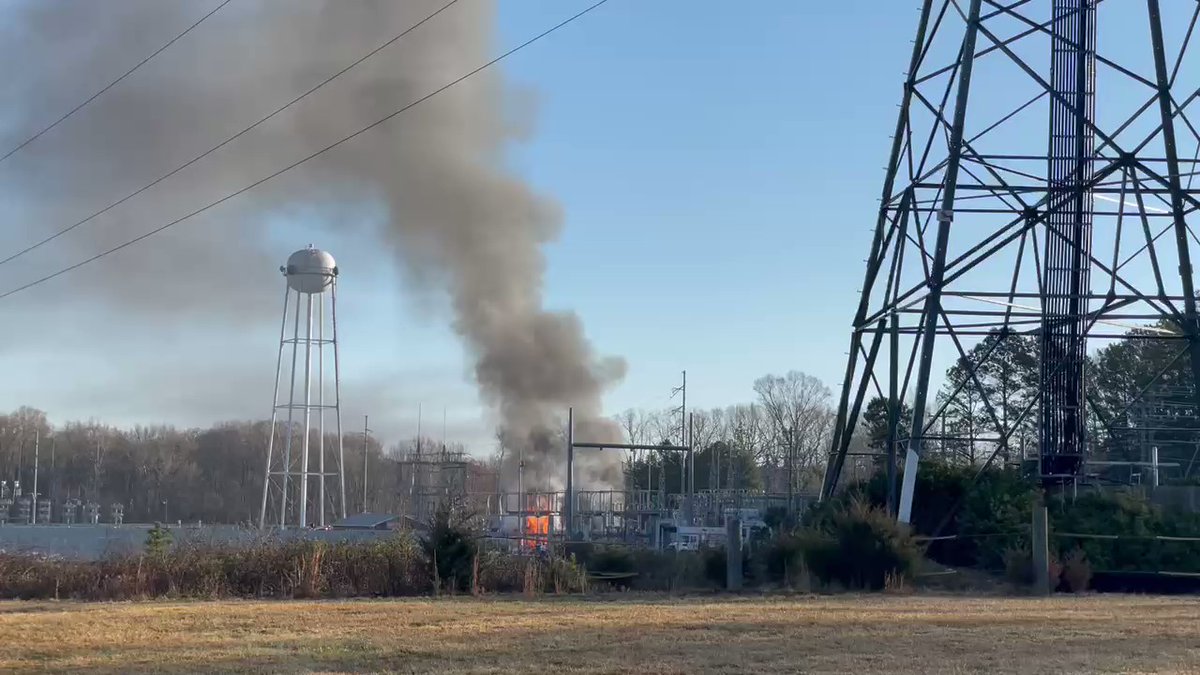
x: 1014, y: 205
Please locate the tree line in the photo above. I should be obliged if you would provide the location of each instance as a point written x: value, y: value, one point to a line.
x: 206, y: 475
x: 1139, y: 393
x: 777, y: 443
x: 215, y: 474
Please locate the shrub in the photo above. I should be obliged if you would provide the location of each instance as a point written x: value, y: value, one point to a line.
x: 1018, y: 567
x: 716, y: 565
x: 1136, y: 522
x: 450, y: 548
x: 895, y: 583
x: 535, y: 578
x: 783, y: 558
x: 664, y: 570
x: 500, y: 572
x: 1076, y: 572
x: 392, y: 566
x: 859, y: 547
x: 158, y: 541
x: 777, y: 518
x: 565, y: 575
x: 611, y: 559
x: 1001, y: 502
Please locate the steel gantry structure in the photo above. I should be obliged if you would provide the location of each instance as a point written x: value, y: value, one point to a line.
x: 1039, y: 184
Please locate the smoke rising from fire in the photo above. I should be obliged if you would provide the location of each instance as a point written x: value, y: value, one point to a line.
x: 431, y: 184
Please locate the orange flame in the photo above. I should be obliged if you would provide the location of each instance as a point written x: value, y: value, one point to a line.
x: 537, y: 530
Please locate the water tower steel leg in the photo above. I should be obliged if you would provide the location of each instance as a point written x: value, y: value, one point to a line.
x: 262, y: 516
x: 337, y: 408
x: 321, y: 410
x: 304, y: 466
x: 287, y: 444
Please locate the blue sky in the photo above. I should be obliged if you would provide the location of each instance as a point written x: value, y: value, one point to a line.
x: 718, y: 185
x: 718, y: 166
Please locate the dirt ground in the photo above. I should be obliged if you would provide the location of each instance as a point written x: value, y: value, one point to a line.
x: 834, y: 634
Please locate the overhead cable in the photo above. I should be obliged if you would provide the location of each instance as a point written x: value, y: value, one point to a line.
x: 223, y: 143
x: 112, y: 84
x: 295, y: 164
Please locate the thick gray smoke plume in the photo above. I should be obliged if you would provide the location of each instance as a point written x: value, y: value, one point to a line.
x: 431, y: 183
x: 463, y: 222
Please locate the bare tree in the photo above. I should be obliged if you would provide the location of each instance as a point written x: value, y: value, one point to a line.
x: 746, y: 429
x: 707, y: 427
x: 634, y: 424
x: 664, y: 429
x: 799, y: 419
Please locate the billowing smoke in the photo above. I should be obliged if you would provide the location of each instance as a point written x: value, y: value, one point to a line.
x: 461, y: 221
x: 431, y: 184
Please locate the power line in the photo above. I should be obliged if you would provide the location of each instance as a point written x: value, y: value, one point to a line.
x: 293, y: 165
x: 112, y: 84
x: 223, y: 143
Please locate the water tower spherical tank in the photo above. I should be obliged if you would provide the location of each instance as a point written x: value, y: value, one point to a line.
x: 310, y: 270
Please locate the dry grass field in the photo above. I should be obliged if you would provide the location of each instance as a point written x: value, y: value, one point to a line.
x: 847, y: 634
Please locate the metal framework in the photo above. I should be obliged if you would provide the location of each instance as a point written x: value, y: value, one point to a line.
x: 571, y: 505
x: 286, y: 482
x: 430, y: 479
x: 1039, y: 183
x: 1163, y: 430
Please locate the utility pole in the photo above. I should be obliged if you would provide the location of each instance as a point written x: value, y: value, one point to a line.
x: 366, y: 431
x: 521, y: 488
x: 53, y: 468
x: 37, y: 438
x: 690, y: 457
x: 96, y: 474
x: 569, y: 502
x: 683, y: 436
x: 791, y: 475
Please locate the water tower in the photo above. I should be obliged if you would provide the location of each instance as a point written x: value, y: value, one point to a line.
x: 311, y: 279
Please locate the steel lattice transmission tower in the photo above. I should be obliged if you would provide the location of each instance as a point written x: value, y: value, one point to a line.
x: 1040, y: 183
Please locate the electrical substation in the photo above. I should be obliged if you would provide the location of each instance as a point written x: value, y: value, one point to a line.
x: 1037, y: 189
x: 1000, y: 473
x: 534, y: 519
